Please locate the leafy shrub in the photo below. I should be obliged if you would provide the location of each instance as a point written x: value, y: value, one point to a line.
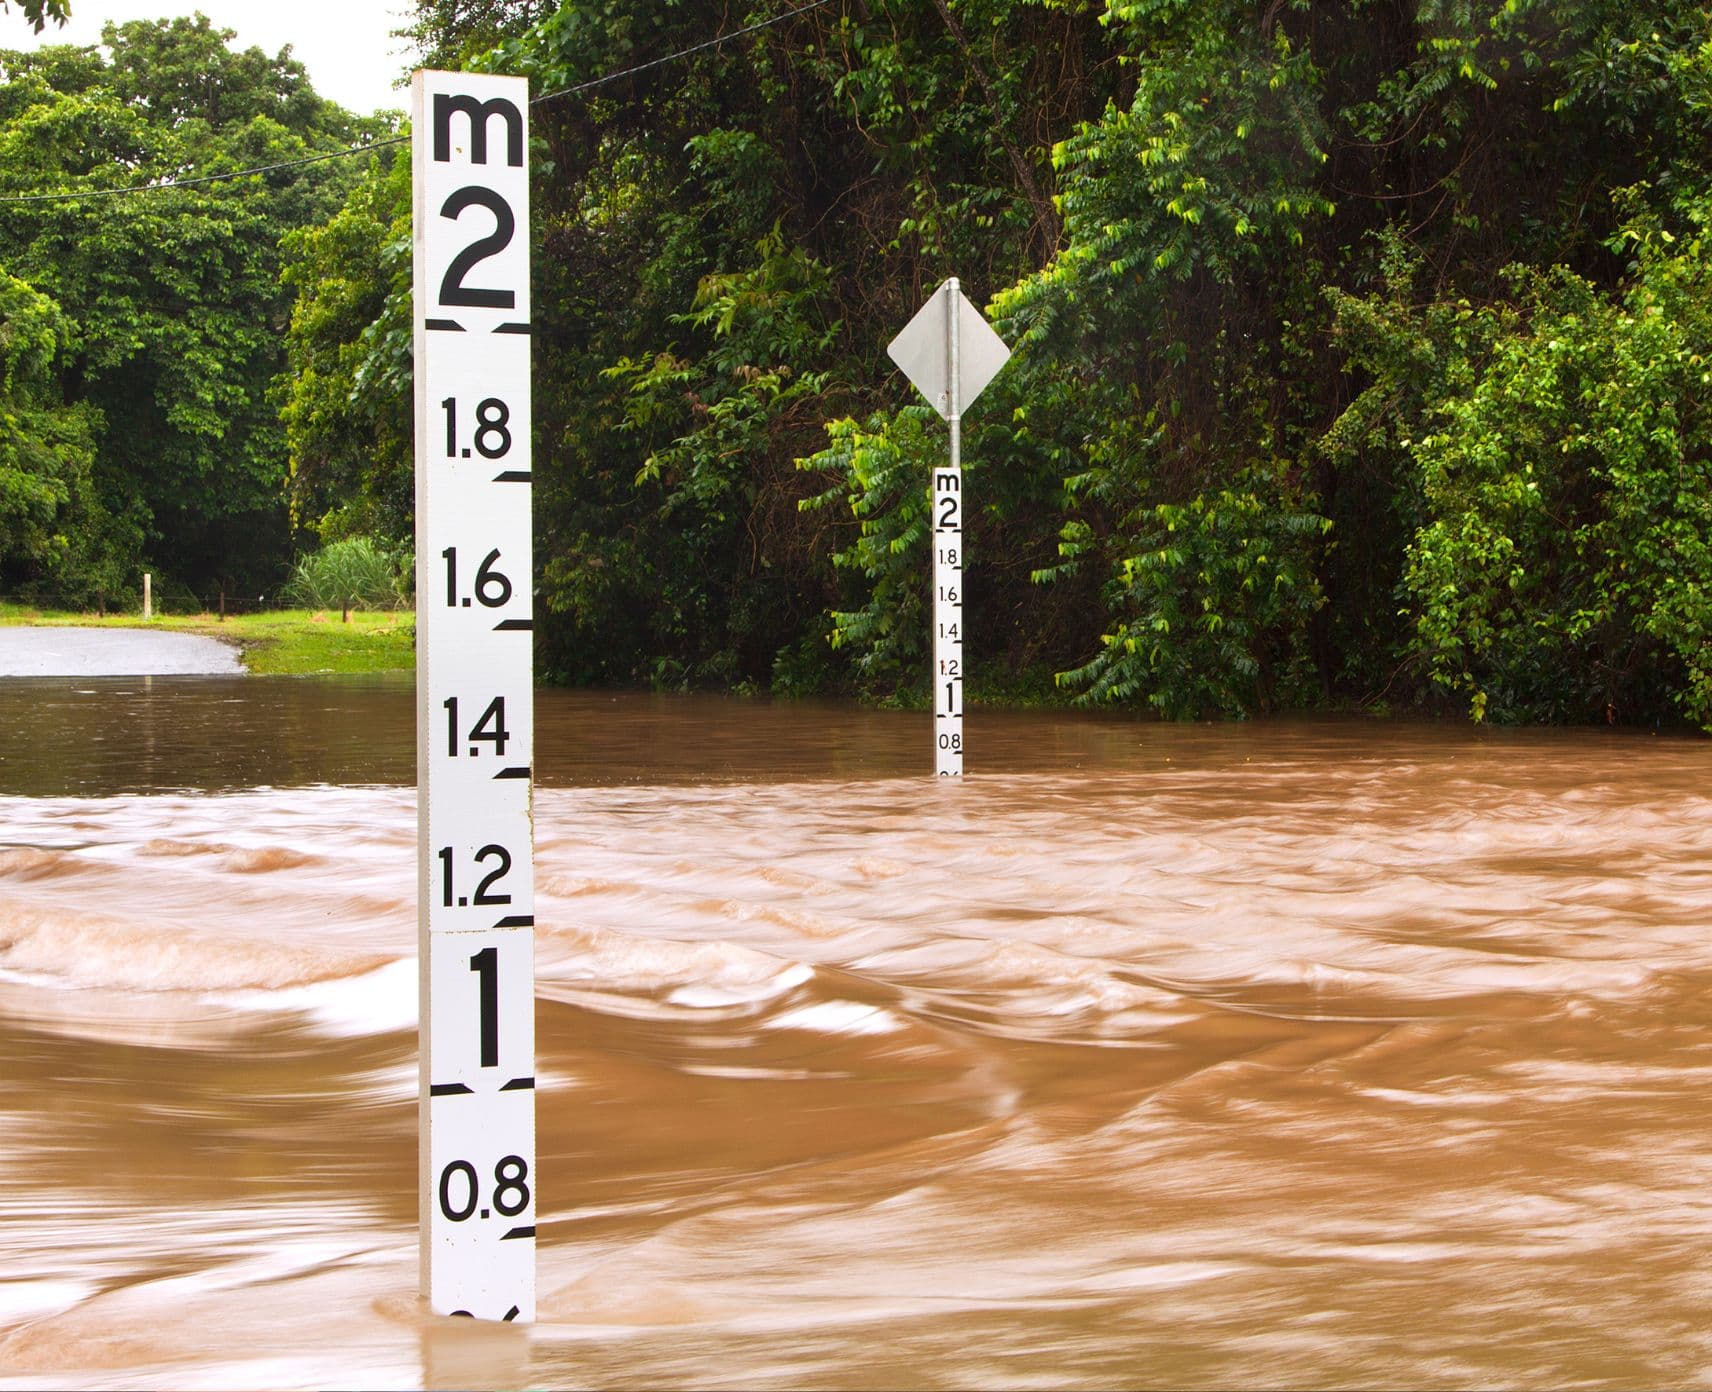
x: 1563, y: 568
x: 1210, y: 602
x: 350, y: 574
x: 882, y: 468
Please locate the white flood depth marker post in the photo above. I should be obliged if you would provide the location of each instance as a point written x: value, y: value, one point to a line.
x: 474, y: 694
x: 950, y: 353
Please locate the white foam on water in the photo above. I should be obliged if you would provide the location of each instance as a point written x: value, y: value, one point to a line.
x: 837, y: 1017
x: 152, y: 953
x: 378, y: 1002
x: 306, y: 1371
x: 23, y: 1300
x: 721, y: 993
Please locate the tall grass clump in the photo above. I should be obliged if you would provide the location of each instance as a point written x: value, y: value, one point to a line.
x: 351, y: 574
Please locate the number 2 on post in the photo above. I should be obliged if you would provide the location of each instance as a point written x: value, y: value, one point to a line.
x: 453, y: 291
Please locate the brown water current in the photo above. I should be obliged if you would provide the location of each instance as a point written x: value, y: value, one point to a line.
x: 1310, y: 1054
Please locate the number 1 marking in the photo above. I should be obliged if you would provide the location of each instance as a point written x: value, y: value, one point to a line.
x: 485, y: 964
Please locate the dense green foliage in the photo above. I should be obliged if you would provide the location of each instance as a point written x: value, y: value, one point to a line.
x: 725, y: 245
x: 346, y: 398
x: 46, y: 446
x: 171, y: 301
x: 1361, y: 345
x: 1358, y: 346
x: 1563, y: 560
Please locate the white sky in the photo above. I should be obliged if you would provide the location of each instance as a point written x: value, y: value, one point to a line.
x: 345, y: 44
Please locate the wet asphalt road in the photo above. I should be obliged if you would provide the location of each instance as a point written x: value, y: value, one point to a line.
x: 111, y: 652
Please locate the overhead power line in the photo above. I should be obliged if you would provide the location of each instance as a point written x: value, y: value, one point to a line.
x: 681, y: 53
x: 592, y: 82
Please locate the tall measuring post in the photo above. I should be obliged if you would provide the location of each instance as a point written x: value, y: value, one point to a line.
x: 474, y: 694
x: 950, y: 353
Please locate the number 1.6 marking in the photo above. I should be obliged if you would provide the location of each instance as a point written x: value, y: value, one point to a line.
x: 492, y: 587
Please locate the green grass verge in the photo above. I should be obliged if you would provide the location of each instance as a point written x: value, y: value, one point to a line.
x: 294, y: 642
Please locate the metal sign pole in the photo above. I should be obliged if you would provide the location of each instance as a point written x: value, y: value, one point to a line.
x: 475, y: 694
x: 950, y: 353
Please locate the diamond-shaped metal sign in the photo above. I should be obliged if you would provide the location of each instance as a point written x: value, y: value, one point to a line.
x: 923, y: 350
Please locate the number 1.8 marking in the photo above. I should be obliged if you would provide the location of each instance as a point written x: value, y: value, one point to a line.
x: 492, y: 437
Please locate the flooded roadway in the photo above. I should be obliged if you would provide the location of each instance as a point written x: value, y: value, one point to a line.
x: 59, y: 652
x: 1308, y: 1054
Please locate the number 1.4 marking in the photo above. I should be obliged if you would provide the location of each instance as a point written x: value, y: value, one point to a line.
x: 490, y: 728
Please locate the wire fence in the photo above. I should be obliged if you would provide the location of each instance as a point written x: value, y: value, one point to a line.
x: 173, y: 600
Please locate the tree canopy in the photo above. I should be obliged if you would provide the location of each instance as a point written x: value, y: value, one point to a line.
x: 1356, y: 345
x: 1359, y: 344
x: 172, y: 299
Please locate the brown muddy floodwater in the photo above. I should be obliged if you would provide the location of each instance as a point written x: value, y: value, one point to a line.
x: 1271, y: 1055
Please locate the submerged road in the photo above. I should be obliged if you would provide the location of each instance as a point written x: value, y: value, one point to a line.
x: 112, y: 652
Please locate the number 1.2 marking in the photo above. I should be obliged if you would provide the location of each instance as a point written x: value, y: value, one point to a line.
x: 448, y: 882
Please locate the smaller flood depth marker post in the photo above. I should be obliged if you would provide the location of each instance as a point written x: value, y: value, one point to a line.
x: 947, y: 568
x: 474, y: 694
x: 950, y: 353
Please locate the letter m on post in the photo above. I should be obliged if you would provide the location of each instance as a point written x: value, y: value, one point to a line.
x: 480, y: 115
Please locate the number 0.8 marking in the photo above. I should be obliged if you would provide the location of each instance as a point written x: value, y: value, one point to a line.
x: 509, y: 1178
